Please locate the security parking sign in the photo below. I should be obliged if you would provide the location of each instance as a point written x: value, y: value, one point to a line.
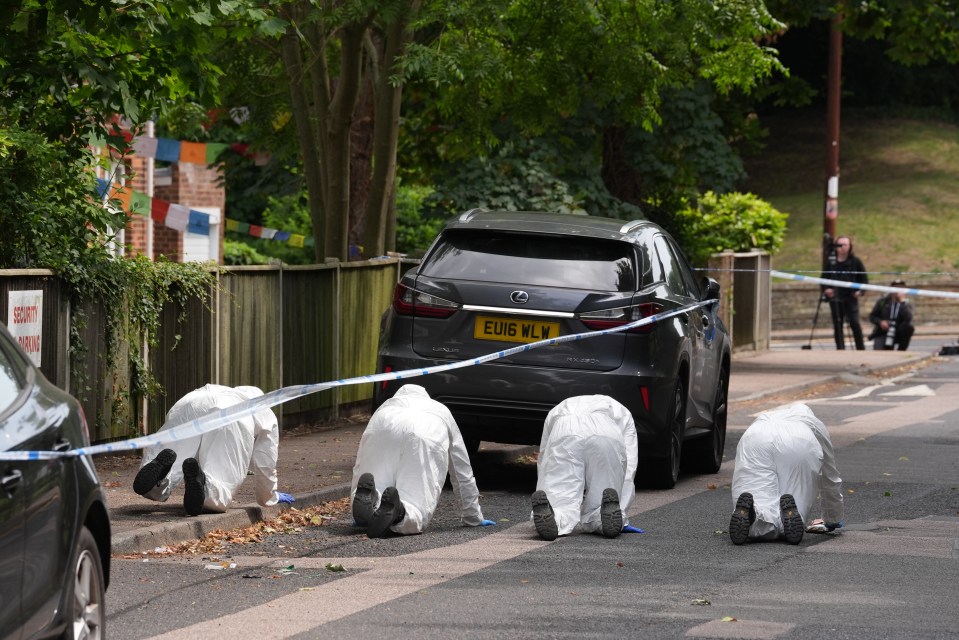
x: 25, y: 321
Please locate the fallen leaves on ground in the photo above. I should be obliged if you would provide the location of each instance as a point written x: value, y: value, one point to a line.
x: 288, y: 521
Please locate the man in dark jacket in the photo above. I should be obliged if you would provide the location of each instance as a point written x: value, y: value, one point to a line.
x: 892, y: 320
x: 844, y: 301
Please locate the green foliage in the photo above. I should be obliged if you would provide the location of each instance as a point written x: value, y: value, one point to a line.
x: 238, y: 253
x: 733, y: 221
x: 48, y: 207
x: 533, y: 175
x: 414, y: 231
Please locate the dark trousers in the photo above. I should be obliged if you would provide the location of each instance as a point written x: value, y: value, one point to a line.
x: 846, y: 310
x: 900, y: 341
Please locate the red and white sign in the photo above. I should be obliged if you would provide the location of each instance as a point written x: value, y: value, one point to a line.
x: 25, y: 321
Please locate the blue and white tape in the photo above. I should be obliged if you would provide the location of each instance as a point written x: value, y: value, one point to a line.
x: 223, y: 417
x: 782, y: 275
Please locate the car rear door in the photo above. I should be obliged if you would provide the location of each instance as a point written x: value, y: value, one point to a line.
x: 46, y: 499
x: 12, y: 397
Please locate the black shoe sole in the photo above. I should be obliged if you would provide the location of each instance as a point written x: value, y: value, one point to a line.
x: 793, y: 528
x: 544, y: 520
x: 194, y: 482
x: 611, y: 515
x: 742, y: 518
x: 363, y: 500
x: 154, y: 471
x: 390, y: 511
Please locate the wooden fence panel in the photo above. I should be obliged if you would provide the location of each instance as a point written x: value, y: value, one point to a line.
x: 310, y: 310
x: 250, y: 325
x: 184, y: 358
x: 366, y: 289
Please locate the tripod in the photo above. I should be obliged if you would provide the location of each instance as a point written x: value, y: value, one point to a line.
x: 815, y: 320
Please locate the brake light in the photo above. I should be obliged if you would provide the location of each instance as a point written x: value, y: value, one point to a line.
x: 612, y: 318
x: 409, y: 302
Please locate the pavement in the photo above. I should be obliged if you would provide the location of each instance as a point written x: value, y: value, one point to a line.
x: 316, y: 461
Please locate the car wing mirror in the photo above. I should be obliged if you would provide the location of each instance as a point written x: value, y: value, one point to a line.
x: 710, y: 289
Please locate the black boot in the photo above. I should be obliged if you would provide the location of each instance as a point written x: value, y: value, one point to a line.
x: 194, y: 481
x: 364, y: 499
x: 743, y: 517
x: 610, y: 514
x: 543, y: 517
x: 154, y: 472
x: 390, y: 512
x: 793, y: 527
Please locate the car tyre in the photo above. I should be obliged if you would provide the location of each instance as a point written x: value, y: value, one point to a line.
x: 85, y: 610
x: 705, y: 455
x: 664, y: 472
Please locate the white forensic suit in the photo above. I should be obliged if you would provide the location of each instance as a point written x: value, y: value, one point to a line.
x: 225, y: 454
x: 411, y: 443
x: 589, y: 445
x: 787, y: 450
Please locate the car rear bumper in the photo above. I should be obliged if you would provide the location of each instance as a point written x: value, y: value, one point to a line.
x: 508, y: 403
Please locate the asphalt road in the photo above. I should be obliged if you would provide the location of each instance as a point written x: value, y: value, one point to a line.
x: 892, y: 574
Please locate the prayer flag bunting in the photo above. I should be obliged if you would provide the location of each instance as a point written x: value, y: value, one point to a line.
x: 144, y: 146
x: 140, y: 203
x: 178, y: 217
x: 159, y: 210
x: 296, y: 240
x: 168, y: 150
x: 193, y: 152
x: 199, y: 222
x: 256, y: 231
x: 214, y: 150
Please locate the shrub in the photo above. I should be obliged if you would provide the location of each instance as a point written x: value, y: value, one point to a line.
x: 733, y: 221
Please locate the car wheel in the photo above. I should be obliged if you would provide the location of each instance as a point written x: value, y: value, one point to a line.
x: 85, y: 612
x: 664, y: 472
x: 705, y: 455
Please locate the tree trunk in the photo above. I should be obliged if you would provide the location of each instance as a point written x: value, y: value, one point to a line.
x: 386, y: 136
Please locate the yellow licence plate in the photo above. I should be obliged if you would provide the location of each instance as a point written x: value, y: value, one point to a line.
x: 514, y: 329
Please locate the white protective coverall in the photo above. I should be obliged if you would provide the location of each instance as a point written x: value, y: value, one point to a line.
x: 225, y: 454
x: 589, y: 445
x: 787, y: 450
x: 411, y: 443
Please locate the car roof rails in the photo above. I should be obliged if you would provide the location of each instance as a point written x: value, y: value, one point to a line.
x: 466, y: 217
x: 630, y: 226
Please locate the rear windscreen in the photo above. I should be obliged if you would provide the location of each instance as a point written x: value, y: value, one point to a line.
x: 551, y: 261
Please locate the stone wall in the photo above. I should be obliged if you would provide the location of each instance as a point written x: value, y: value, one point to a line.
x: 794, y: 304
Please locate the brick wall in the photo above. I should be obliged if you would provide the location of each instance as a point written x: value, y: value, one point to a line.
x: 794, y: 304
x: 191, y: 185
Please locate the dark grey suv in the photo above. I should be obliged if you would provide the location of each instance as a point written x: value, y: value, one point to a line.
x: 496, y: 279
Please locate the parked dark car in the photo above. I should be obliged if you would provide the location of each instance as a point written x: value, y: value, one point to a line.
x: 54, y: 526
x: 496, y: 279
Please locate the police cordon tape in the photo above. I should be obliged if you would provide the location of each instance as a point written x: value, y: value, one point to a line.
x: 223, y: 417
x: 865, y: 287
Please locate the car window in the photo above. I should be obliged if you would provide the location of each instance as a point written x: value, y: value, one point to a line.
x: 652, y: 270
x: 671, y: 267
x: 692, y: 284
x: 551, y: 261
x: 10, y: 382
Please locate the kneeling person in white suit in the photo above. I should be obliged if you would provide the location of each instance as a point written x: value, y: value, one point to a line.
x: 783, y: 461
x: 586, y: 468
x: 408, y: 447
x: 215, y: 463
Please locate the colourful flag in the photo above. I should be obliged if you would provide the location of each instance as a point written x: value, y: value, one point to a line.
x: 214, y: 150
x: 199, y: 222
x: 282, y: 236
x: 159, y: 210
x: 296, y: 240
x: 178, y: 217
x: 140, y: 203
x: 268, y: 233
x: 193, y: 152
x: 144, y: 146
x: 123, y: 195
x: 231, y: 224
x: 168, y: 150
x: 242, y: 227
x: 256, y: 231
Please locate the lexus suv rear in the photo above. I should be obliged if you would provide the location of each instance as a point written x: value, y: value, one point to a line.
x: 496, y: 279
